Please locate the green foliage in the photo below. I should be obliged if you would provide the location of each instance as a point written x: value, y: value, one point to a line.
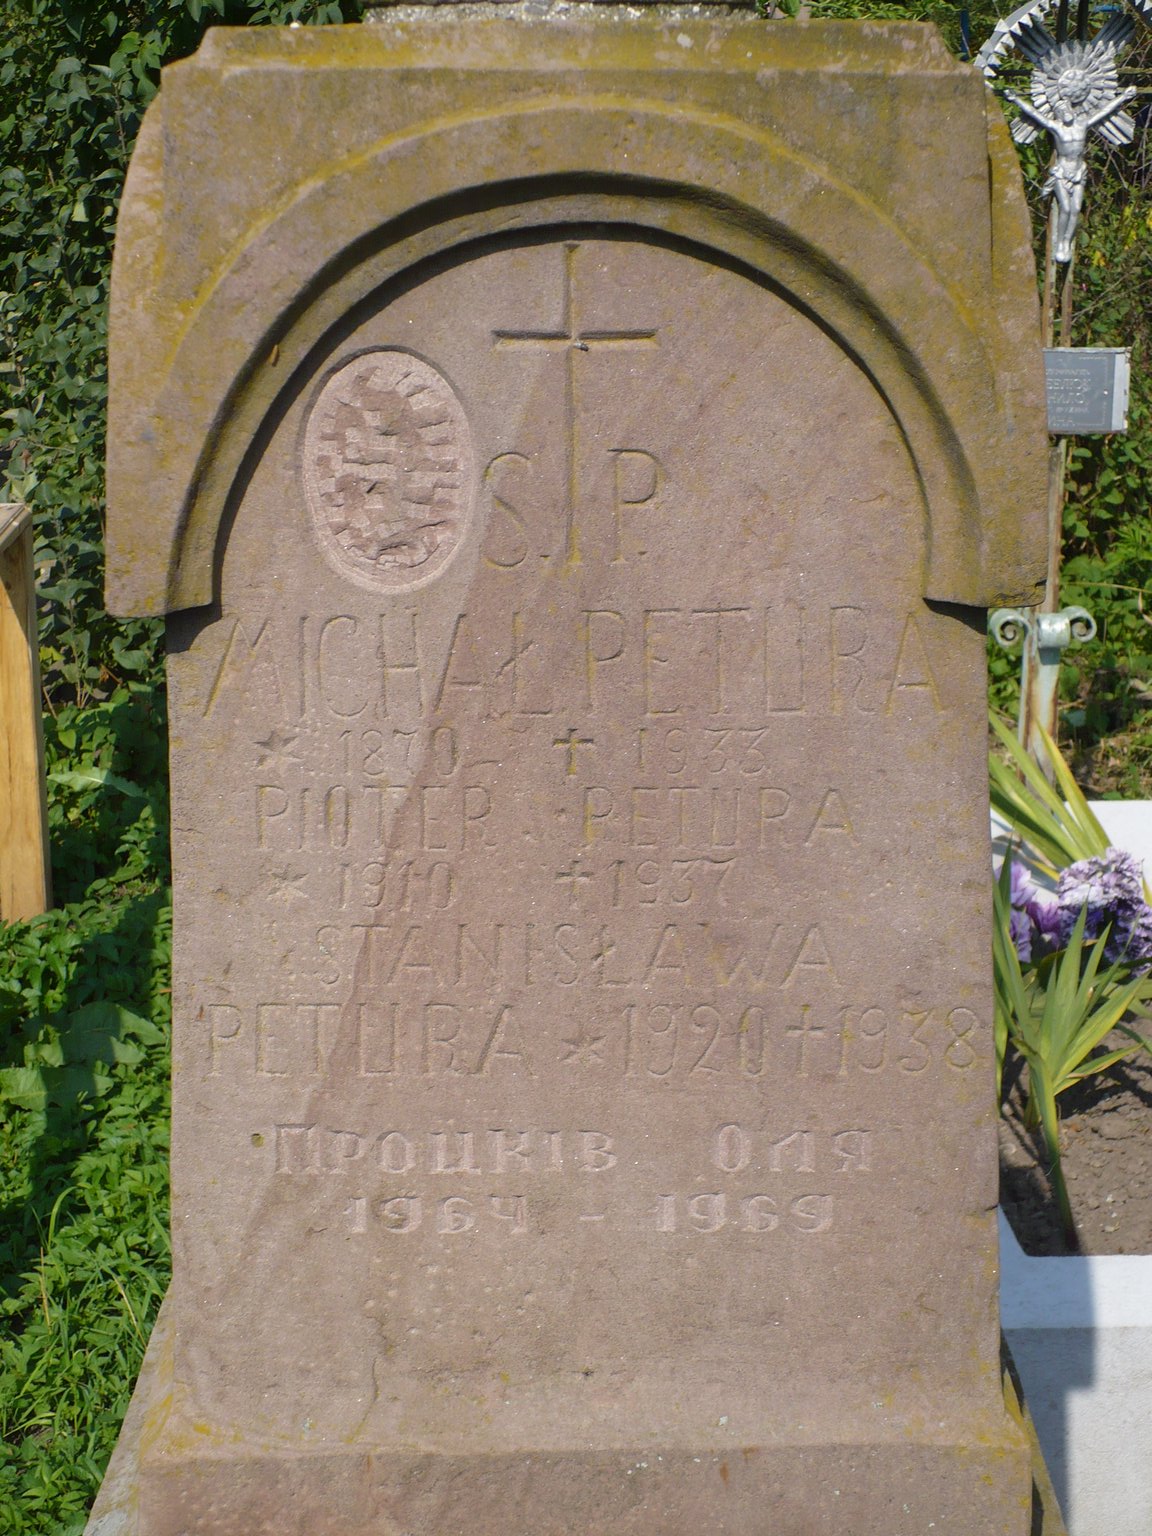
x: 1107, y: 563
x: 84, y: 1019
x: 1056, y: 1015
x: 1107, y: 531
x: 65, y: 143
x: 1056, y: 825
x: 1057, y: 1011
x: 83, y: 1273
x: 84, y: 999
x: 943, y: 13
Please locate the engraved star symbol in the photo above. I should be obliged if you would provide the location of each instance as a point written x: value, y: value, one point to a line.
x: 583, y: 1050
x: 274, y: 750
x: 286, y: 886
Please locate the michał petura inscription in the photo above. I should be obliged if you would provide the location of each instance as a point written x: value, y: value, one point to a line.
x: 754, y: 664
x: 583, y: 1056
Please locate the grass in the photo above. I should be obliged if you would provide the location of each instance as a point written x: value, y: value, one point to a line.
x: 84, y: 1019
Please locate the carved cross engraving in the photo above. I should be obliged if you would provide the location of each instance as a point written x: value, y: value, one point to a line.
x: 571, y: 744
x: 570, y: 339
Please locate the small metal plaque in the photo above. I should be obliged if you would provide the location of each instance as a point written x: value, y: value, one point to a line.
x: 1087, y: 389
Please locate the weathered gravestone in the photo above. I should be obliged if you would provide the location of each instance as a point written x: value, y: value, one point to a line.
x: 575, y: 455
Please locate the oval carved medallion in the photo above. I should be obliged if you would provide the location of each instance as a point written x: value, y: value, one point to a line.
x: 388, y: 470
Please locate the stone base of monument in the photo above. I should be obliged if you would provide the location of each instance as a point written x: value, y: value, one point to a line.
x: 116, y: 1511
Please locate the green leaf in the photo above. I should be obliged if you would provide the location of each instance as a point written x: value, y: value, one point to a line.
x: 91, y: 777
x: 1058, y: 828
x: 104, y: 1031
x: 23, y: 1087
x: 65, y: 1085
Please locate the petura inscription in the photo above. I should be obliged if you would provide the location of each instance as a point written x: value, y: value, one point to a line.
x: 643, y: 1043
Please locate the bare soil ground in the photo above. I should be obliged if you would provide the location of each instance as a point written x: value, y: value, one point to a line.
x: 1106, y: 1125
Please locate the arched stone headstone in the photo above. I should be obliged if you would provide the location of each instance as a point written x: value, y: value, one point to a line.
x: 575, y: 455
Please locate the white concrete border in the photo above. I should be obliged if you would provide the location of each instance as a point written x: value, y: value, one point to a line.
x: 1080, y: 1332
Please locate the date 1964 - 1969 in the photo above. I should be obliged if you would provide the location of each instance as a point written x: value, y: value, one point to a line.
x: 707, y: 1214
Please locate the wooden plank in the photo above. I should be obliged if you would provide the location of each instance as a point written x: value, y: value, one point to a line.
x: 14, y: 518
x: 25, y: 880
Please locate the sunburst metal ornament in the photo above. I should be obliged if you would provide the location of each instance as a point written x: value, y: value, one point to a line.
x: 1075, y: 91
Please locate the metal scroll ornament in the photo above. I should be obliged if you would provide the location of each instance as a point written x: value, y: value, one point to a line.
x: 1075, y: 91
x: 388, y: 470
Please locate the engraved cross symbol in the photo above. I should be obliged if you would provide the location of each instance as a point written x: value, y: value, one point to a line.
x: 570, y: 339
x: 806, y: 1029
x: 572, y: 743
x: 573, y: 876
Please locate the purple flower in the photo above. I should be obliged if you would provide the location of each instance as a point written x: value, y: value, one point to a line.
x: 1035, y: 914
x: 1112, y: 878
x: 1044, y: 910
x: 1109, y: 889
x: 1020, y: 930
